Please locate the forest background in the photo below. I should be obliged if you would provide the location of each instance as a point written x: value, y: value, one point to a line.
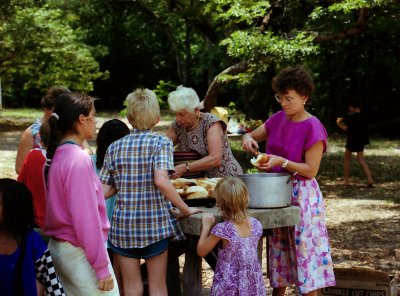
x: 227, y: 50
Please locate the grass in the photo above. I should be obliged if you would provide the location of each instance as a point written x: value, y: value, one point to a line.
x: 26, y: 113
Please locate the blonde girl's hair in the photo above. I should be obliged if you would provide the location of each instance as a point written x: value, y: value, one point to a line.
x: 232, y: 197
x: 143, y: 109
x: 183, y: 98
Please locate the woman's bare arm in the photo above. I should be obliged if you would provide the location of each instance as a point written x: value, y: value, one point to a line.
x: 26, y: 144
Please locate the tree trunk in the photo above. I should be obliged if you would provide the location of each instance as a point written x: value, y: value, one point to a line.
x: 210, y: 99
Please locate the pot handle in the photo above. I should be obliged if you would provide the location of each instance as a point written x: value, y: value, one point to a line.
x: 290, y: 177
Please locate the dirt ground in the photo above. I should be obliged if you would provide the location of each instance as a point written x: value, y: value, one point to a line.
x: 363, y: 226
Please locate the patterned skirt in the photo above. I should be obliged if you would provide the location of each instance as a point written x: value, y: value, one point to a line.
x: 300, y: 255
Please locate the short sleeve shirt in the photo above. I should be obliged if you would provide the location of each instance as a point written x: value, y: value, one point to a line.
x: 290, y: 139
x: 141, y: 215
x: 196, y: 140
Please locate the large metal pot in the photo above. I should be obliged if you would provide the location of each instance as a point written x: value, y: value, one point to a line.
x: 268, y: 190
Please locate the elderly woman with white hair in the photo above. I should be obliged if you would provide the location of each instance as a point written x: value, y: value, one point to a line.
x: 204, y: 133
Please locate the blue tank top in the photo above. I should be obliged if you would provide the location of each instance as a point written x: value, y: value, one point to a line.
x: 35, y: 127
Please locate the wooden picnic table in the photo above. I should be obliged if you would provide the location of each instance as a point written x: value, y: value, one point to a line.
x: 191, y: 226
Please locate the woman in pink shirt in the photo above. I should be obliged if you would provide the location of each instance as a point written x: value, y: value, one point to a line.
x: 296, y: 141
x: 76, y: 218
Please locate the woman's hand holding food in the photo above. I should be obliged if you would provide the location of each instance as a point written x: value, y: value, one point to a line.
x: 265, y: 162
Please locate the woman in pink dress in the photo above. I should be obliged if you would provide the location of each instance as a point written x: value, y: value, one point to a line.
x: 238, y: 270
x: 296, y: 141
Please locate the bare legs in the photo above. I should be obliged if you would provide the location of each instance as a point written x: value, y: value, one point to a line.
x: 365, y: 167
x: 346, y: 166
x: 281, y: 292
x: 117, y: 272
x: 157, y: 274
x: 132, y: 284
x: 361, y: 161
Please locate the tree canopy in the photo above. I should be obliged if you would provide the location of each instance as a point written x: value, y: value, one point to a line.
x: 228, y: 50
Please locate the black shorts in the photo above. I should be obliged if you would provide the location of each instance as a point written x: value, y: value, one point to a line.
x: 355, y: 147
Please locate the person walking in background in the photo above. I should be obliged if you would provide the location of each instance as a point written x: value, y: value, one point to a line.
x: 355, y: 124
x: 26, y: 266
x: 137, y: 167
x: 238, y: 270
x: 109, y: 132
x: 30, y: 138
x: 296, y: 141
x: 76, y: 218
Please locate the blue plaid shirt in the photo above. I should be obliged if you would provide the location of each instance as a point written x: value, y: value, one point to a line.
x: 141, y: 216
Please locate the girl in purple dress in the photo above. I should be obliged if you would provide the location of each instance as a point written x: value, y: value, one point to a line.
x: 296, y: 141
x: 238, y: 270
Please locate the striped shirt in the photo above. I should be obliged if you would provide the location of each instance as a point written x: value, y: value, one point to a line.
x: 141, y: 216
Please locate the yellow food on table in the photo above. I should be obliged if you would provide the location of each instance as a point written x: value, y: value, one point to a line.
x: 195, y: 188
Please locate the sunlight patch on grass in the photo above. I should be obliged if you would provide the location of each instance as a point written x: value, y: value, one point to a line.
x: 21, y: 113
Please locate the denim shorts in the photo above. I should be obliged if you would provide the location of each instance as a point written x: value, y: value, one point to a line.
x: 142, y: 253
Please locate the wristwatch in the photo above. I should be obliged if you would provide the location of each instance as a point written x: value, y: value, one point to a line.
x: 187, y: 167
x: 285, y: 163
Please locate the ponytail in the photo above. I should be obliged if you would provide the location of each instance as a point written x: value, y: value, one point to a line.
x: 67, y: 109
x: 51, y: 138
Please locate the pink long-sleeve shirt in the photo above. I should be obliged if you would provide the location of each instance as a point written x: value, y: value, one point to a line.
x: 75, y: 206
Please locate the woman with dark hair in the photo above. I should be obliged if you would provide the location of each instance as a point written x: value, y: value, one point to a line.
x: 76, y: 218
x: 109, y: 132
x: 296, y: 141
x: 30, y: 138
x: 26, y: 267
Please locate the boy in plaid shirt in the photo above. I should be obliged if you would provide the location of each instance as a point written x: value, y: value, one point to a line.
x: 137, y: 167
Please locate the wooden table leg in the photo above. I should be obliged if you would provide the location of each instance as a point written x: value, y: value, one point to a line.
x: 173, y: 277
x: 260, y: 248
x: 192, y: 270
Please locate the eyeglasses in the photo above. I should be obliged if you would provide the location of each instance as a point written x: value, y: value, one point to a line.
x: 280, y: 98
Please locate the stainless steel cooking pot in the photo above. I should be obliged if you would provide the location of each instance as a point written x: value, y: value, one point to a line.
x: 268, y: 190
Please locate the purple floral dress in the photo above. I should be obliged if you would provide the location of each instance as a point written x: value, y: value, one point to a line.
x: 238, y: 270
x: 300, y: 255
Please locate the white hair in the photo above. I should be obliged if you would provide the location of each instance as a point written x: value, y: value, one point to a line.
x: 183, y: 98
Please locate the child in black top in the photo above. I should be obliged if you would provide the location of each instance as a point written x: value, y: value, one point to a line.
x: 354, y: 123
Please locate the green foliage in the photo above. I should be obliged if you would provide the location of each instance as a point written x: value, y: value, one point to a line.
x: 39, y: 48
x: 238, y: 11
x: 162, y: 90
x: 112, y: 47
x: 262, y: 48
x: 266, y: 49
